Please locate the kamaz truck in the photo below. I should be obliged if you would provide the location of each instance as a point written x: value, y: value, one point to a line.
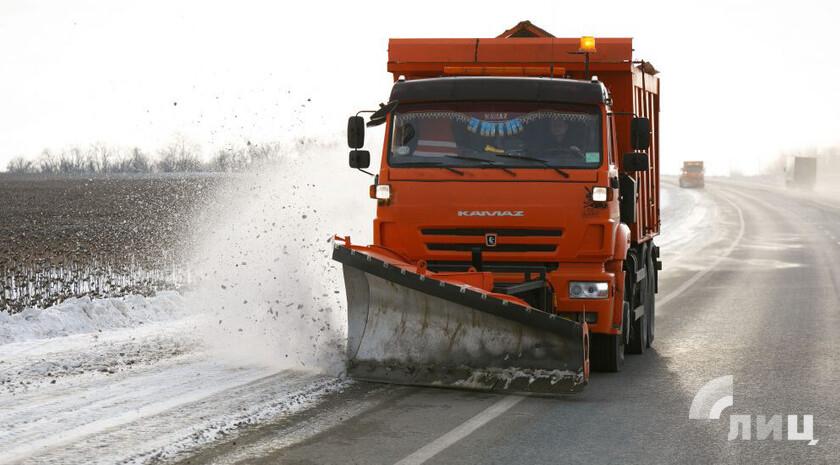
x: 692, y: 174
x: 517, y: 205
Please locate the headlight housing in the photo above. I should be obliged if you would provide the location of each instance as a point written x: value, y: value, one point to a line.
x: 589, y: 290
x: 383, y: 192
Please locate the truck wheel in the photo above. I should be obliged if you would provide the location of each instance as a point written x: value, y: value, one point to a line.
x: 606, y: 352
x: 638, y: 336
x: 650, y: 300
x: 638, y: 328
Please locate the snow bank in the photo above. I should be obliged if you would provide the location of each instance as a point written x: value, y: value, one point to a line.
x: 86, y: 315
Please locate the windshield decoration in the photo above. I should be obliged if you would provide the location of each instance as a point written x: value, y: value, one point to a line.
x: 495, y: 128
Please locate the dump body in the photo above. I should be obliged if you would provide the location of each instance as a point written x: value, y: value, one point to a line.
x: 692, y: 174
x: 801, y: 172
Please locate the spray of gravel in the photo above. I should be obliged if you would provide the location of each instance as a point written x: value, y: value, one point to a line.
x: 265, y: 279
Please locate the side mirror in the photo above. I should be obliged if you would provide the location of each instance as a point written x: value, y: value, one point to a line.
x: 356, y: 132
x: 635, y: 161
x: 640, y: 133
x: 359, y: 159
x: 627, y: 199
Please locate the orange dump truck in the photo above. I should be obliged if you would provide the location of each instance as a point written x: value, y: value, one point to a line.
x: 692, y: 174
x: 518, y: 200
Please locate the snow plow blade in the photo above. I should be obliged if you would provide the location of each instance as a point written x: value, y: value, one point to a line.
x: 410, y: 326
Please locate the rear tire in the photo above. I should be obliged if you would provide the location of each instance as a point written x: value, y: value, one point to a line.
x: 640, y: 298
x: 638, y: 336
x: 650, y: 300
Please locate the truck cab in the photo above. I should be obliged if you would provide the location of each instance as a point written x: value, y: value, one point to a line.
x: 511, y: 175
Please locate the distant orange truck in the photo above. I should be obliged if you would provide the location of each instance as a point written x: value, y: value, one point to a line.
x: 518, y: 190
x: 692, y: 174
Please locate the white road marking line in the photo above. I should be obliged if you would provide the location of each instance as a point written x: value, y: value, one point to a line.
x: 460, y: 432
x: 690, y: 281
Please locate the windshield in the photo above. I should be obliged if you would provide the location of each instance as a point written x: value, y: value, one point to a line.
x: 693, y: 168
x: 503, y: 135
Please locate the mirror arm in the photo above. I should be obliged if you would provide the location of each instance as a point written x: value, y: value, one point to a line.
x: 366, y: 172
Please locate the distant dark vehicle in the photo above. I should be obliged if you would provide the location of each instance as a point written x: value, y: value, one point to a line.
x: 801, y: 172
x: 692, y: 174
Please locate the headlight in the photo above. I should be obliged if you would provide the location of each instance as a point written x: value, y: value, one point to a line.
x: 383, y: 192
x: 599, y: 194
x: 588, y: 290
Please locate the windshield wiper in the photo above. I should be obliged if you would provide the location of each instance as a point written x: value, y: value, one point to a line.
x: 483, y: 160
x: 458, y: 172
x: 437, y: 164
x: 539, y: 160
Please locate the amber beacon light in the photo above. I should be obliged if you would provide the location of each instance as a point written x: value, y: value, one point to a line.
x: 587, y: 44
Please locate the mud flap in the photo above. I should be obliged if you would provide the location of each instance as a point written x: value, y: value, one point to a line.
x: 409, y: 328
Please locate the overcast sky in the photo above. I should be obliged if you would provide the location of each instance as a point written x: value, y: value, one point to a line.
x: 741, y: 81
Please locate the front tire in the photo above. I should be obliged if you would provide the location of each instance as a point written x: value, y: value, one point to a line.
x: 606, y: 351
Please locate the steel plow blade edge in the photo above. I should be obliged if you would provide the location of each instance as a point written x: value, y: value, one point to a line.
x: 404, y: 328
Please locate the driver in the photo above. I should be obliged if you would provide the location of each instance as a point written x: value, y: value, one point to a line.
x: 559, y: 130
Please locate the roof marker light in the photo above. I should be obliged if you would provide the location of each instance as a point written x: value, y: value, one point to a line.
x: 587, y: 44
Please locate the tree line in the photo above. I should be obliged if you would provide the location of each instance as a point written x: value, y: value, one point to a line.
x: 178, y: 156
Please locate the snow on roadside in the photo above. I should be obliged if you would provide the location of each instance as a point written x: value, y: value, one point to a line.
x: 129, y: 380
x: 86, y: 315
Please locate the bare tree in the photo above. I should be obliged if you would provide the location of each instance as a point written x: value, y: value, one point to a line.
x: 179, y: 156
x: 100, y: 158
x: 137, y: 162
x: 78, y: 158
x: 47, y: 164
x: 223, y: 160
x: 20, y: 165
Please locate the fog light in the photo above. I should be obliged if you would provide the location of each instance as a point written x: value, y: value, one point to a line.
x: 599, y: 194
x: 588, y: 290
x: 383, y: 192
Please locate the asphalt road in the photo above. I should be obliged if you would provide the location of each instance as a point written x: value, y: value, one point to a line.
x: 751, y: 288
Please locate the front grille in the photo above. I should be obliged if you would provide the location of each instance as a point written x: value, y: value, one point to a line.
x: 497, y: 248
x: 499, y: 267
x: 508, y: 240
x: 500, y: 231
